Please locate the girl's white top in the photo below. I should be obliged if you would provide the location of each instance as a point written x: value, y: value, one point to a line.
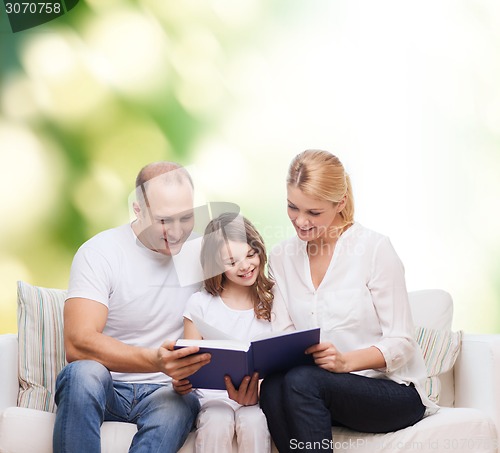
x: 238, y: 324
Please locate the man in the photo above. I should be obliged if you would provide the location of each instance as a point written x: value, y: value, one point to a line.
x: 124, y: 303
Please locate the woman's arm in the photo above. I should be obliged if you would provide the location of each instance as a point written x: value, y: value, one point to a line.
x: 328, y: 357
x: 390, y: 298
x: 280, y: 317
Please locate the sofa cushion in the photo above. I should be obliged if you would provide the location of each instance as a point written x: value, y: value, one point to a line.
x: 41, y: 344
x: 16, y: 421
x: 440, y: 349
x: 457, y: 430
x: 431, y: 308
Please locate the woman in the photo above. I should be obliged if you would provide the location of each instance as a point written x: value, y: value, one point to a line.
x: 347, y: 280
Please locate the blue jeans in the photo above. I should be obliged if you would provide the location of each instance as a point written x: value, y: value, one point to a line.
x: 303, y: 404
x: 86, y: 396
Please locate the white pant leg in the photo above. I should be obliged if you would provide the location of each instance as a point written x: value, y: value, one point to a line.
x: 215, y: 428
x: 251, y: 430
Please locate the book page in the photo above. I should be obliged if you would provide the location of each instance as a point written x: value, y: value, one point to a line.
x: 209, y: 332
x: 230, y: 345
x: 265, y: 335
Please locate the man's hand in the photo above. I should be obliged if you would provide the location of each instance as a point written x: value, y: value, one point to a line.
x: 248, y: 391
x: 182, y: 387
x: 180, y: 363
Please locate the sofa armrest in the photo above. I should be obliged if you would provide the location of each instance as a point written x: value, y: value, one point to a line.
x: 9, y: 383
x: 477, y: 374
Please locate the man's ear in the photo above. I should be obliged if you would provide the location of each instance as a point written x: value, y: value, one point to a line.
x: 136, y: 208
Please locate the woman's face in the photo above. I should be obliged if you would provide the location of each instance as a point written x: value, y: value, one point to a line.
x: 312, y: 218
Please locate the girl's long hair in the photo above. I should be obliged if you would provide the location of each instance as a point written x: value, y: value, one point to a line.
x: 230, y: 226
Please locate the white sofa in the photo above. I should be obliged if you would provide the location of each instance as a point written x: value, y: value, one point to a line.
x: 470, y: 389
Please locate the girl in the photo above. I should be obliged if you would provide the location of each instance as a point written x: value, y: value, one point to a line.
x: 237, y: 300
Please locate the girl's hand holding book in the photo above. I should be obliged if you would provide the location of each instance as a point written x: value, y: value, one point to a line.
x: 182, y: 387
x: 248, y: 392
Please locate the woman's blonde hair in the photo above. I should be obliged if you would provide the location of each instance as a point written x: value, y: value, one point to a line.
x: 319, y: 174
x: 233, y: 227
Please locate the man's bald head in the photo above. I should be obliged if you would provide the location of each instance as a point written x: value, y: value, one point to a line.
x: 164, y: 207
x: 165, y: 172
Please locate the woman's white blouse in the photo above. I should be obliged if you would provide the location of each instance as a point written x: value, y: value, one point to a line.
x: 362, y: 301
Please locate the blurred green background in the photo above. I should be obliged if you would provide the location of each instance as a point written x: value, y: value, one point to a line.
x: 407, y: 94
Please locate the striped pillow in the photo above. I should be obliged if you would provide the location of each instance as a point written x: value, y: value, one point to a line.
x: 440, y: 349
x: 41, y: 344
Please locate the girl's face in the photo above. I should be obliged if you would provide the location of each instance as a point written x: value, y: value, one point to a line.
x: 241, y: 263
x: 313, y: 219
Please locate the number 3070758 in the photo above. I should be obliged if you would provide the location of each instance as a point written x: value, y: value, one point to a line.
x: 33, y: 8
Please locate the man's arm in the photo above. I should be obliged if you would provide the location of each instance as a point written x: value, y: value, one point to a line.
x: 84, y: 322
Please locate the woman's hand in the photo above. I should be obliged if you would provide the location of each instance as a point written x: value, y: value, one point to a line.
x: 182, y: 387
x: 248, y: 391
x: 328, y: 357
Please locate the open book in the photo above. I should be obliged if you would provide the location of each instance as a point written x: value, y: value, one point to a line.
x: 268, y: 353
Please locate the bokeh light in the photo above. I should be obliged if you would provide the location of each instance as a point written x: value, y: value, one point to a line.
x: 63, y: 86
x: 131, y: 51
x: 31, y: 180
x: 406, y: 93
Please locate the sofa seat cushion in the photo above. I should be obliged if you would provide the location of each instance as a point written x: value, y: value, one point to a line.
x: 451, y: 429
x: 460, y: 430
x: 25, y: 430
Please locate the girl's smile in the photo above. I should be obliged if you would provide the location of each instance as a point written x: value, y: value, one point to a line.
x: 241, y: 263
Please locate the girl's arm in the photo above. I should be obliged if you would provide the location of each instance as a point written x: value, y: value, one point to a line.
x: 190, y: 330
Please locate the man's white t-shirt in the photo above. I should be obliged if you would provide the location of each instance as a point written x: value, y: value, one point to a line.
x: 139, y: 287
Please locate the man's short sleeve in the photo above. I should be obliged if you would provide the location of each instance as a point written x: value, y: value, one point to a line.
x: 91, y: 276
